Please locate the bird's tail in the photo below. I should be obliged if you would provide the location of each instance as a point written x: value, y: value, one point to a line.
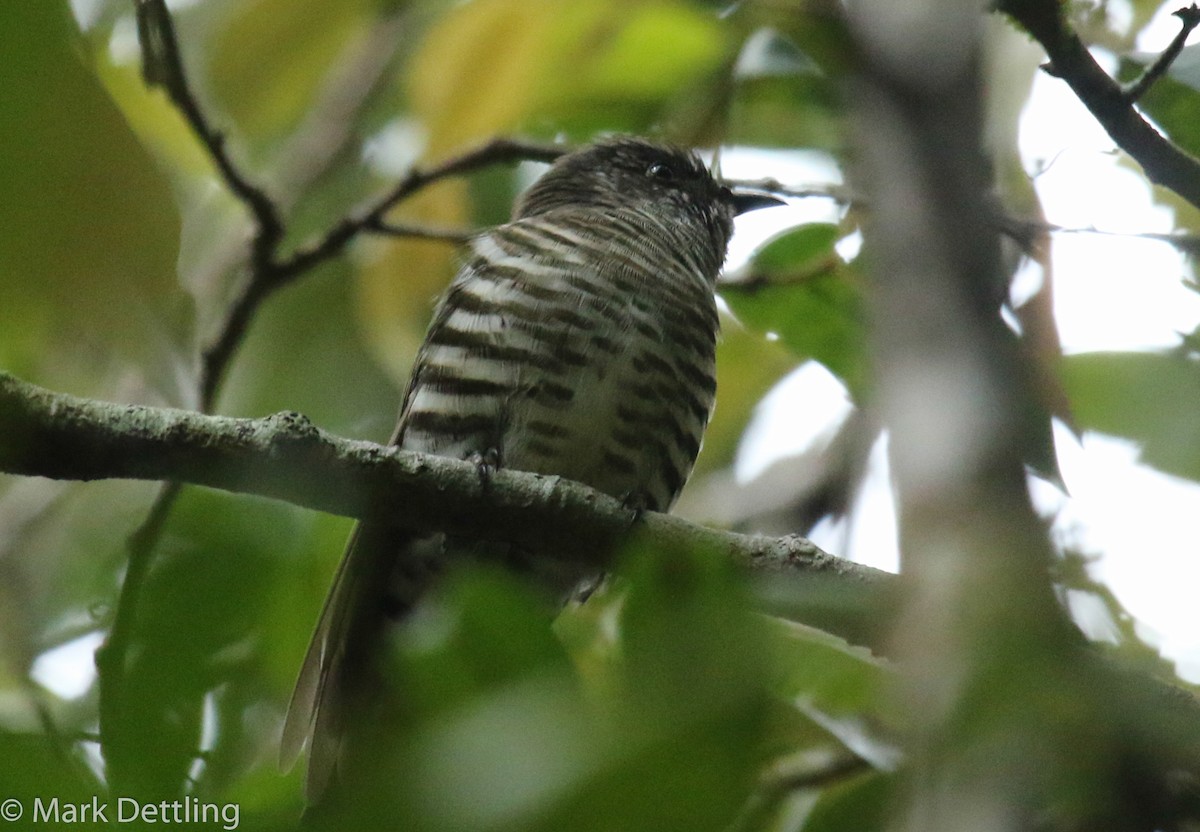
x: 374, y: 583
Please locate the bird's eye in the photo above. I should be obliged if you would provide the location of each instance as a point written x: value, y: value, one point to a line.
x: 658, y: 170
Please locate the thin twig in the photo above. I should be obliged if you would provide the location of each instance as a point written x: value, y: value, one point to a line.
x: 494, y: 152
x: 1021, y: 229
x: 787, y: 777
x: 838, y: 193
x: 162, y: 66
x: 756, y: 281
x: 1189, y: 18
x: 421, y: 232
x: 276, y: 272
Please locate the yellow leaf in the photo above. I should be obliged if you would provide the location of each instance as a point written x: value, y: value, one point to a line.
x: 400, y: 279
x: 481, y: 67
x: 272, y: 56
x: 155, y: 119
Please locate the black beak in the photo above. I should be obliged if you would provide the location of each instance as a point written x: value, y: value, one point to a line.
x: 745, y: 200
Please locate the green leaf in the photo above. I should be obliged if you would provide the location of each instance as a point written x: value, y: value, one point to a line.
x: 688, y: 641
x: 664, y: 732
x: 1151, y: 398
x: 804, y: 295
x: 836, y: 686
x: 479, y: 633
x: 748, y: 366
x: 87, y: 256
x: 37, y: 766
x: 858, y: 805
x: 785, y: 111
x: 198, y: 631
x: 802, y: 250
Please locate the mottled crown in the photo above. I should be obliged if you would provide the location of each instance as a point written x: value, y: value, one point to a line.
x: 665, y: 181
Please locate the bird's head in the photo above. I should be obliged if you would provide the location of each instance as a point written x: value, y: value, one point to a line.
x: 633, y: 173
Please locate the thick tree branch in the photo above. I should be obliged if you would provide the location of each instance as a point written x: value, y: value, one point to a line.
x: 1165, y: 163
x: 286, y: 457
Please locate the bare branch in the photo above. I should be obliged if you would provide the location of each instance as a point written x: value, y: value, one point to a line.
x: 162, y: 66
x: 455, y: 236
x: 1189, y: 18
x: 277, y: 273
x: 1164, y: 163
x: 494, y: 152
x: 838, y: 193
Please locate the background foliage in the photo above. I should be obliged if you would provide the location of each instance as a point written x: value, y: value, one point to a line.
x: 662, y: 703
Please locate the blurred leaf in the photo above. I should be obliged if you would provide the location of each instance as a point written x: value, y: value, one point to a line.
x: 785, y: 111
x: 685, y: 619
x: 66, y: 555
x: 271, y: 57
x: 836, y: 686
x: 87, y: 263
x: 802, y: 250
x: 693, y: 703
x: 34, y: 766
x: 197, y: 631
x: 495, y: 730
x: 481, y: 633
x: 154, y: 119
x: 821, y: 37
x: 1151, y: 398
x: 491, y: 65
x: 646, y: 68
x: 859, y: 805
x: 642, y: 51
x: 480, y: 66
x: 485, y: 707
x: 400, y: 279
x: 305, y: 353
x: 831, y: 672
x: 781, y: 98
x: 803, y: 293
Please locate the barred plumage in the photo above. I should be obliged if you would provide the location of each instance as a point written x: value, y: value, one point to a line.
x: 577, y: 340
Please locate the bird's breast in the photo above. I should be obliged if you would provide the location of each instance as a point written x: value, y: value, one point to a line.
x: 601, y: 373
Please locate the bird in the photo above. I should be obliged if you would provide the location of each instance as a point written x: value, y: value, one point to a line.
x: 578, y: 340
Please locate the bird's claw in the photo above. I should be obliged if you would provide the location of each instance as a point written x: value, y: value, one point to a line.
x: 636, y: 502
x: 486, y: 464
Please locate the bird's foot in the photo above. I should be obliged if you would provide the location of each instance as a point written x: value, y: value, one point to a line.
x: 486, y: 464
x: 638, y: 503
